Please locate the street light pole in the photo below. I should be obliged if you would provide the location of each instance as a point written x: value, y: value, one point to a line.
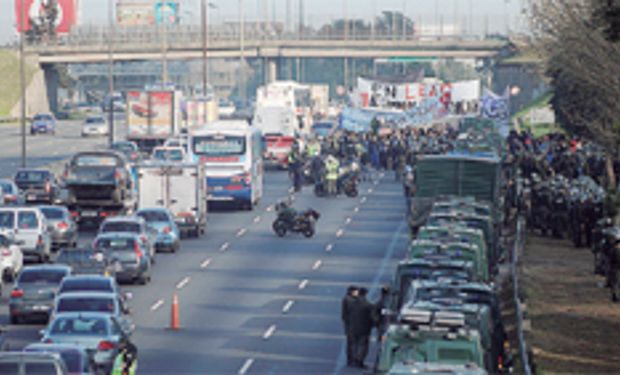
x: 242, y: 87
x: 110, y: 74
x: 203, y: 12
x: 22, y: 80
x: 164, y: 18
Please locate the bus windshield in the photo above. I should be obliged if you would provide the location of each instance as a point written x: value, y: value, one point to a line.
x: 213, y: 145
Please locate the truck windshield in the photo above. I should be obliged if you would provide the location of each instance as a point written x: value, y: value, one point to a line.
x: 95, y: 161
x: 219, y: 145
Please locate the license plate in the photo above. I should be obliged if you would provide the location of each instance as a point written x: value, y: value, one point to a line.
x: 40, y: 308
x: 218, y: 188
x: 89, y: 213
x: 31, y: 197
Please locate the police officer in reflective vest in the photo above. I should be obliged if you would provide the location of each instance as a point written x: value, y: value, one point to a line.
x: 332, y: 165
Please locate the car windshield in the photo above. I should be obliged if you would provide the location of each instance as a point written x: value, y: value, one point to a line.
x: 85, y: 304
x: 95, y: 161
x: 167, y: 154
x: 455, y: 355
x: 219, y: 145
x: 153, y: 216
x: 7, y: 219
x: 85, y: 285
x: 52, y: 213
x: 31, y: 176
x: 74, y: 256
x: 42, y: 117
x: 71, y: 358
x: 95, y: 120
x: 6, y: 187
x: 124, y: 147
x: 4, y: 241
x: 82, y: 326
x: 42, y: 276
x: 121, y: 226
x: 115, y: 244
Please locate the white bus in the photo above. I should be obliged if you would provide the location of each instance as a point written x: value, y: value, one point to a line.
x: 232, y: 153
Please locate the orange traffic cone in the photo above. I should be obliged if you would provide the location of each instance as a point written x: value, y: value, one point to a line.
x: 175, y: 323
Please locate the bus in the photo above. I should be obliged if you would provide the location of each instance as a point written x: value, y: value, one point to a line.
x: 232, y: 154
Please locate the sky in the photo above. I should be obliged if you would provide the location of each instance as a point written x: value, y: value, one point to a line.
x: 486, y: 14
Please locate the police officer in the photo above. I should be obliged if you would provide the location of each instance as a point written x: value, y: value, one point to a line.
x: 294, y: 163
x: 331, y: 166
x: 347, y: 302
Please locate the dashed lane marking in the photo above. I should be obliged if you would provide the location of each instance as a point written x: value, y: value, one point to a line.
x: 224, y: 246
x: 157, y: 305
x: 183, y: 283
x: 246, y: 366
x: 363, y: 200
x: 269, y: 332
x: 317, y: 264
x: 269, y: 208
x: 205, y: 263
x: 329, y: 247
x: 303, y: 284
x: 356, y: 209
x: 256, y: 219
x: 339, y: 233
x: 241, y: 232
x: 370, y: 190
x: 348, y: 221
x: 287, y: 306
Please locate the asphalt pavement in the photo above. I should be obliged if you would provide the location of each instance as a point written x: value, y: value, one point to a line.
x: 251, y: 302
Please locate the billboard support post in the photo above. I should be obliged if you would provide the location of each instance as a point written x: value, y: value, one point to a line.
x: 22, y: 81
x: 111, y: 75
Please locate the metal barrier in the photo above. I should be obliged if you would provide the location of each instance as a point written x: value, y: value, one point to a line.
x: 517, y: 250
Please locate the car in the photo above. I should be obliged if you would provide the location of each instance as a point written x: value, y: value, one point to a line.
x: 60, y: 224
x: 37, y: 185
x: 95, y: 125
x: 129, y: 149
x: 135, y: 225
x: 28, y: 226
x: 75, y: 357
x: 129, y: 254
x: 11, y: 195
x: 161, y: 219
x: 323, y: 129
x: 18, y: 363
x: 168, y: 154
x: 43, y: 123
x: 89, y: 283
x: 91, y: 301
x: 86, y: 261
x: 11, y: 257
x: 178, y: 141
x: 34, y: 291
x: 100, y: 334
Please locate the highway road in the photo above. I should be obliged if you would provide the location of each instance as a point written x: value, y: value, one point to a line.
x: 251, y: 302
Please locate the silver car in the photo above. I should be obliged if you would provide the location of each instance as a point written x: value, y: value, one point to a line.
x: 100, y: 334
x: 75, y: 357
x: 128, y: 254
x: 135, y: 225
x: 161, y: 219
x: 103, y: 302
x: 95, y: 125
x: 62, y: 228
x: 17, y: 363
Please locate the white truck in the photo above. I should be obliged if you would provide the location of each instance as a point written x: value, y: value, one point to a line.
x: 279, y: 126
x: 180, y: 187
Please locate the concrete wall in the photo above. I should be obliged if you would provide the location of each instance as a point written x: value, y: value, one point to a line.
x: 523, y: 75
x: 36, y: 97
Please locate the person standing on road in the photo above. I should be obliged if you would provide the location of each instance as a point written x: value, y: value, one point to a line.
x: 294, y: 162
x: 332, y: 165
x: 347, y: 302
x: 361, y: 322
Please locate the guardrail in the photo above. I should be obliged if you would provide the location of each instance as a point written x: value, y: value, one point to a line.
x: 514, y: 269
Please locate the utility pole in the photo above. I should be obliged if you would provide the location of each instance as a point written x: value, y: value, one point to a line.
x: 164, y: 17
x: 345, y: 12
x: 110, y: 73
x: 203, y: 15
x: 242, y: 87
x: 22, y: 79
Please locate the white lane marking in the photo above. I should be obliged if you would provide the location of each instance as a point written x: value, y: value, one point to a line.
x: 269, y: 208
x: 370, y: 190
x: 246, y: 366
x: 157, y: 305
x: 292, y: 198
x: 241, y: 232
x: 205, y: 263
x: 363, y: 200
x: 256, y: 219
x: 348, y: 221
x: 339, y: 233
x: 356, y: 209
x: 317, y: 264
x: 183, y: 283
x: 291, y: 190
x: 269, y: 332
x: 287, y: 306
x: 376, y: 182
x: 329, y: 247
x: 303, y: 284
x: 56, y: 153
x: 224, y: 246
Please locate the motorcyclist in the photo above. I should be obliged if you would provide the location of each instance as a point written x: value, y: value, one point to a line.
x: 286, y: 213
x: 313, y: 148
x: 331, y: 166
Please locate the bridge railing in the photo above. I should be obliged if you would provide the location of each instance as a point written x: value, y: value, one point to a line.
x: 150, y: 37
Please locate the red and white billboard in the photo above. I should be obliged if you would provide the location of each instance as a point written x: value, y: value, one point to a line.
x: 34, y: 9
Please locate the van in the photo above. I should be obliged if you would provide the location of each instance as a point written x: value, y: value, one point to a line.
x: 29, y: 228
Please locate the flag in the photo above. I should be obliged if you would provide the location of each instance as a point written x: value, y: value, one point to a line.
x: 497, y: 108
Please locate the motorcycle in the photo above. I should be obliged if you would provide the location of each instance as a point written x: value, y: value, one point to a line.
x: 346, y: 184
x: 303, y: 223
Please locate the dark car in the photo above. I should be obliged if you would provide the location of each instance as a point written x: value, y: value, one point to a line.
x: 86, y: 262
x: 129, y: 149
x: 35, y: 290
x: 37, y: 185
x: 43, y: 123
x: 101, y: 177
x: 128, y: 253
x: 62, y: 228
x: 75, y: 357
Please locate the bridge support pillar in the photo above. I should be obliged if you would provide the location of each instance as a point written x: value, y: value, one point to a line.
x: 271, y: 70
x: 51, y: 86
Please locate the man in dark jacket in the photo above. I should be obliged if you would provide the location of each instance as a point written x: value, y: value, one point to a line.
x: 347, y: 302
x: 361, y: 322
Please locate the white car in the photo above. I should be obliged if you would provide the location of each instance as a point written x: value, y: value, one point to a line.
x: 11, y: 257
x: 173, y: 154
x: 95, y: 125
x: 29, y: 226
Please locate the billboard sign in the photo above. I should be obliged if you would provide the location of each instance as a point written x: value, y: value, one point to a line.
x: 35, y: 10
x: 167, y: 12
x: 149, y: 113
x: 134, y: 14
